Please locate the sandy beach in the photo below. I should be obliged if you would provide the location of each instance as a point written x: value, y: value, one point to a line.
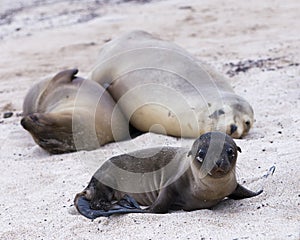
x: 254, y: 43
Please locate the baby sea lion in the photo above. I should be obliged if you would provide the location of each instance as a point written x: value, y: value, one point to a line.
x: 162, y: 88
x: 167, y: 178
x: 68, y: 113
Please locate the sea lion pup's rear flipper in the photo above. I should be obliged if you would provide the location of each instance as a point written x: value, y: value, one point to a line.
x: 128, y: 202
x: 126, y: 205
x: 241, y: 192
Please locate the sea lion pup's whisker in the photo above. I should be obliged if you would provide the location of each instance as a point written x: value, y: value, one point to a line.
x: 153, y: 181
x: 237, y: 172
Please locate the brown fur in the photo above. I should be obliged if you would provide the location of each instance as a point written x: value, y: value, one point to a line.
x: 68, y: 113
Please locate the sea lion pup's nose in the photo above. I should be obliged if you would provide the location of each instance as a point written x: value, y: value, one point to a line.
x: 233, y: 128
x: 219, y: 162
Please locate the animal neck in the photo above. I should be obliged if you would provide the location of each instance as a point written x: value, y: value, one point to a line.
x: 212, y: 188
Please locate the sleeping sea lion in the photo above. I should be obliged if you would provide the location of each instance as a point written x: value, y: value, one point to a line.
x: 167, y: 178
x: 162, y: 88
x: 68, y: 113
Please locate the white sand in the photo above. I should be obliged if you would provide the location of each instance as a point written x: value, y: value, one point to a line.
x: 37, y: 189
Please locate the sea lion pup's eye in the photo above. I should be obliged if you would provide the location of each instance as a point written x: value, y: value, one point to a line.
x: 230, y: 152
x: 201, y: 155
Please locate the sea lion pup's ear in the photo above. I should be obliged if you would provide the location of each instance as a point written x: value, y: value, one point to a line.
x: 65, y: 76
x: 239, y: 149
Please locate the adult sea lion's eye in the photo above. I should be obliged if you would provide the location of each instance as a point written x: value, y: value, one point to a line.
x: 248, y: 123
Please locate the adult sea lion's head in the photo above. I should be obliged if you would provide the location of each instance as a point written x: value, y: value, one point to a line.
x: 233, y: 115
x: 50, y: 131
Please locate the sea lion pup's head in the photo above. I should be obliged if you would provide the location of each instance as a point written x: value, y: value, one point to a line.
x: 214, y: 154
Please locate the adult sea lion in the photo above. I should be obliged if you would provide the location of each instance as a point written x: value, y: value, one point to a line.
x: 162, y: 88
x: 68, y: 113
x: 164, y: 179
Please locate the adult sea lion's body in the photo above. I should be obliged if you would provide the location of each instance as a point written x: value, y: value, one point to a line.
x: 162, y: 88
x: 68, y: 113
x: 164, y: 179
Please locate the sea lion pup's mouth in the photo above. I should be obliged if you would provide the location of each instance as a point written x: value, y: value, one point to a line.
x: 218, y: 172
x: 222, y: 167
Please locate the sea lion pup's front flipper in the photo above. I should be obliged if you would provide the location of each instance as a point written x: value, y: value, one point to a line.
x: 126, y: 205
x: 241, y: 192
x: 163, y: 202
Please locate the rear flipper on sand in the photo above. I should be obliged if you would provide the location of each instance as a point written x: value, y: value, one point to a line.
x: 126, y: 205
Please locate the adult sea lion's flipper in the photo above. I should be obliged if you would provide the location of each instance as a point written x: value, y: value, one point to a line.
x: 65, y: 76
x: 241, y: 192
x: 126, y: 205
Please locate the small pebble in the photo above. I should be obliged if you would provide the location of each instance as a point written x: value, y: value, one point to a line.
x: 7, y: 114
